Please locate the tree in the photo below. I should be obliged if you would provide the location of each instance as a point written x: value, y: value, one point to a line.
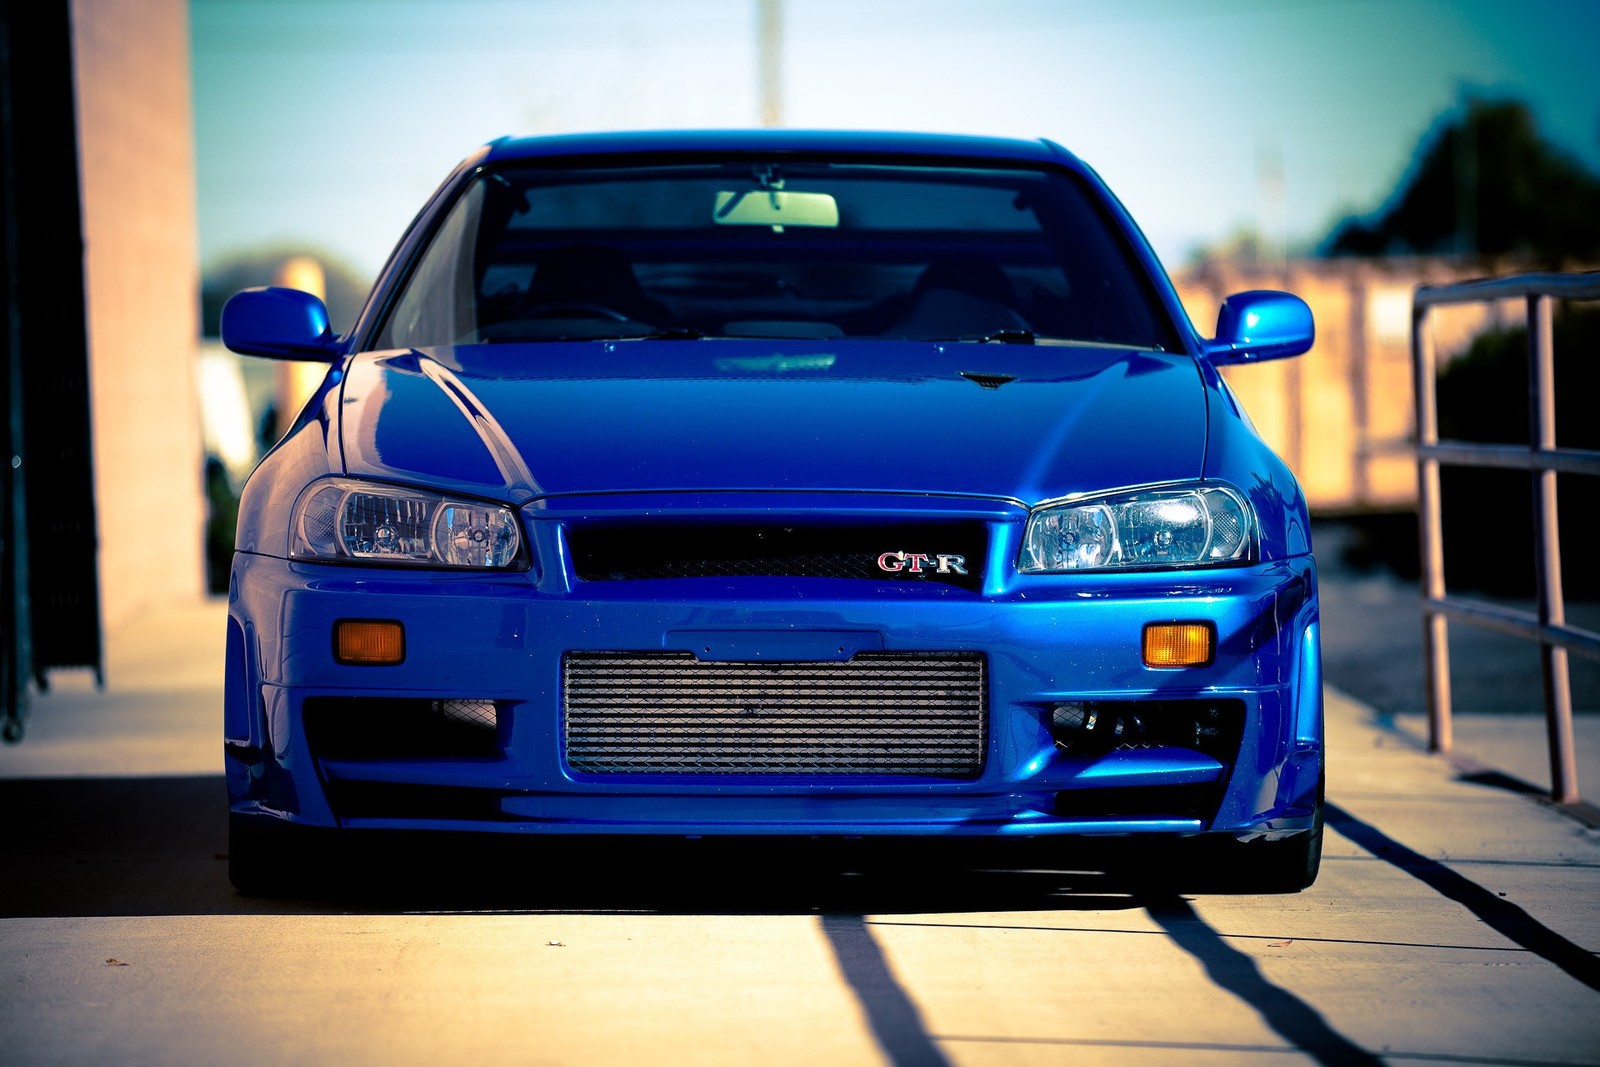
x: 1484, y: 183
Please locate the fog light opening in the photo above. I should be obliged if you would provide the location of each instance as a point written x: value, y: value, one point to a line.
x: 1179, y: 644
x: 1072, y: 723
x: 1077, y: 726
x: 369, y: 642
x: 476, y: 713
x: 1093, y: 728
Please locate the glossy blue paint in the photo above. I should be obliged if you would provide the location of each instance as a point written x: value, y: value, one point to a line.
x: 646, y: 145
x: 886, y: 417
x: 279, y: 323
x: 516, y: 632
x: 1260, y: 325
x: 672, y: 438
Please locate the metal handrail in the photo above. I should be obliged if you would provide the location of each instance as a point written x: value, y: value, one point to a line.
x: 1548, y: 626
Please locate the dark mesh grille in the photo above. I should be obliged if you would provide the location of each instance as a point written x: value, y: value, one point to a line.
x: 613, y: 553
x: 878, y: 713
x: 375, y: 728
x: 469, y: 712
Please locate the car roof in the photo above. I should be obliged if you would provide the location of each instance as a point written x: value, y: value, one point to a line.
x: 857, y: 143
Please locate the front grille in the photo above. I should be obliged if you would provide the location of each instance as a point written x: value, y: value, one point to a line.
x: 953, y: 552
x: 878, y: 713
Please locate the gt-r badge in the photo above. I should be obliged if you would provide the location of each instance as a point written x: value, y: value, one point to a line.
x: 921, y: 562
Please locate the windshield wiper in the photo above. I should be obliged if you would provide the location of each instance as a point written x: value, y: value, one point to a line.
x: 502, y: 333
x: 1009, y: 336
x: 673, y: 333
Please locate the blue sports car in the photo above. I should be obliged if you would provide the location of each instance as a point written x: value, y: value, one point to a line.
x: 775, y: 484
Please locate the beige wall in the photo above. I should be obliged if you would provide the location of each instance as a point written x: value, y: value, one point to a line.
x: 136, y: 162
x: 1341, y: 415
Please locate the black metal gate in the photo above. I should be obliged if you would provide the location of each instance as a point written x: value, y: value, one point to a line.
x: 49, y: 585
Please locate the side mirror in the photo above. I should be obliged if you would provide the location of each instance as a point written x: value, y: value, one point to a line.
x: 280, y: 324
x: 1261, y: 324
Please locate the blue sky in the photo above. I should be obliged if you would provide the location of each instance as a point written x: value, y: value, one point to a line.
x: 325, y: 123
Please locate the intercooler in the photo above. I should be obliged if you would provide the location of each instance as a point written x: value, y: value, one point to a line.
x: 878, y: 713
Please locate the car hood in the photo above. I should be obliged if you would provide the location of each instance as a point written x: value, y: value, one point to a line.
x: 1015, y: 422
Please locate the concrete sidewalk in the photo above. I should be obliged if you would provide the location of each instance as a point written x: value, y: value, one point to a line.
x: 159, y: 714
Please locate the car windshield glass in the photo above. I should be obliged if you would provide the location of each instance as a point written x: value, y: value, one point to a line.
x: 788, y: 249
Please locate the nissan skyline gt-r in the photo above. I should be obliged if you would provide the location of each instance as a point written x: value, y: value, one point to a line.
x: 776, y: 484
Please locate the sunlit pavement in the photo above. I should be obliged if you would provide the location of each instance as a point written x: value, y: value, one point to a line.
x: 1456, y: 921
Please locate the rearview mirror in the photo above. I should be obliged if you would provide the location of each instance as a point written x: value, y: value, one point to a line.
x: 278, y: 323
x: 1261, y: 324
x: 772, y: 207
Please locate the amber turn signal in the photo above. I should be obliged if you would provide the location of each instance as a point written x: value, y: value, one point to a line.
x: 1179, y: 644
x: 369, y: 642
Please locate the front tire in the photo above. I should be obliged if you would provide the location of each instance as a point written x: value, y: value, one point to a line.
x: 1287, y: 865
x: 264, y: 860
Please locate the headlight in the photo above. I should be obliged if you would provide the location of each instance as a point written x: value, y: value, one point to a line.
x: 1170, y: 527
x: 347, y: 520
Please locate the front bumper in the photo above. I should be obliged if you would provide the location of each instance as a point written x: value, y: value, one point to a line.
x: 499, y: 640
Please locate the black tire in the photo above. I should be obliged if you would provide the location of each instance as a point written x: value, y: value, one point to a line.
x: 264, y: 860
x: 1287, y: 865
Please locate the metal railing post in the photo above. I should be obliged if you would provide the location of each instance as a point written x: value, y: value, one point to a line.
x: 1553, y: 669
x: 1435, y: 627
x: 1545, y: 461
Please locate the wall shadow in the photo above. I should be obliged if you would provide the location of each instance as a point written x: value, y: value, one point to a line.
x: 898, y: 1026
x: 1290, y: 1017
x: 891, y: 1014
x: 1504, y: 917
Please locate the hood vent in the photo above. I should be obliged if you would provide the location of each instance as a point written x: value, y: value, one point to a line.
x: 988, y: 381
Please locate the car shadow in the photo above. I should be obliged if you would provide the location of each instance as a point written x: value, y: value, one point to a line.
x: 159, y: 846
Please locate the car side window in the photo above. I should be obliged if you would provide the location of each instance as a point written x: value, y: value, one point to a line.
x: 440, y: 302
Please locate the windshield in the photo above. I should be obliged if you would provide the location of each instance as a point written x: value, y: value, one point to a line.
x: 785, y: 249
